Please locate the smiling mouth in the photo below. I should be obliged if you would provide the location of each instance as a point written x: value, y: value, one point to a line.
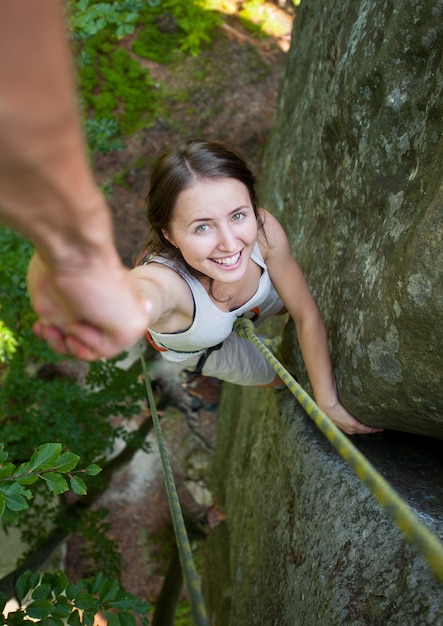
x: 228, y: 261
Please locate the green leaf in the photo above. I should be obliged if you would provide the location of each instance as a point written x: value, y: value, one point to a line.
x: 60, y: 583
x: 78, y: 485
x: 48, y: 578
x: 23, y: 585
x: 34, y: 579
x: 15, y: 497
x: 85, y: 602
x: 24, y: 475
x: 6, y: 470
x: 74, y: 619
x: 109, y: 591
x: 26, y: 583
x: 73, y: 590
x: 2, y: 504
x: 97, y: 583
x: 112, y: 619
x: 55, y: 483
x: 93, y: 470
x: 10, y: 517
x: 127, y: 619
x: 45, y: 456
x: 16, y: 503
x: 62, y: 608
x: 54, y: 621
x: 142, y: 607
x: 67, y: 462
x: 124, y: 602
x: 88, y: 618
x: 39, y: 609
x: 41, y: 592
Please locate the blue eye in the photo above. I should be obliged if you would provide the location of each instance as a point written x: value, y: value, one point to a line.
x: 201, y: 229
x: 238, y: 216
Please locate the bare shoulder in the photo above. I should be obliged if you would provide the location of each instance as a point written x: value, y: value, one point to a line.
x: 169, y: 293
x: 156, y: 272
x: 272, y: 239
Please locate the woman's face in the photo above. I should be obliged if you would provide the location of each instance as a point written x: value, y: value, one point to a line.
x: 215, y: 228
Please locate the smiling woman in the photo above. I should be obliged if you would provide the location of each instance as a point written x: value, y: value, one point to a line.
x: 215, y: 228
x: 212, y: 256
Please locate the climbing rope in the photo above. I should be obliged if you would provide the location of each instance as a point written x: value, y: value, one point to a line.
x: 403, y: 516
x: 192, y: 582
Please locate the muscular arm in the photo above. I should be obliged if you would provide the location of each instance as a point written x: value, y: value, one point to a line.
x: 84, y: 297
x: 291, y: 285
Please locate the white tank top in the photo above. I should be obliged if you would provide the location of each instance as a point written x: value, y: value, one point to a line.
x: 210, y: 325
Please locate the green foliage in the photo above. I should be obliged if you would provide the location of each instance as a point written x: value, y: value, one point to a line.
x: 35, y: 409
x: 8, y: 343
x: 51, y: 600
x: 15, y: 311
x: 88, y: 18
x: 175, y: 25
x: 118, y: 95
x: 48, y: 463
x: 101, y: 134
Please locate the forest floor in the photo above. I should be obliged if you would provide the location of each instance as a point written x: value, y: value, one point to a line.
x: 228, y: 94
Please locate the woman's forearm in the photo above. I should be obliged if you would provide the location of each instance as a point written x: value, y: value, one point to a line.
x: 313, y: 340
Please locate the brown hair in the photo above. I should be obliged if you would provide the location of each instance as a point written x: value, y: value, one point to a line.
x: 179, y: 169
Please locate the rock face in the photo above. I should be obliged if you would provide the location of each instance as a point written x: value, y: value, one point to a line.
x: 353, y: 170
x: 304, y: 543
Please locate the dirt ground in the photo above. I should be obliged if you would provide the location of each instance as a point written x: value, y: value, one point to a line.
x: 233, y: 102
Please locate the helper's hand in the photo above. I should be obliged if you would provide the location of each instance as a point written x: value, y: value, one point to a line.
x: 92, y: 312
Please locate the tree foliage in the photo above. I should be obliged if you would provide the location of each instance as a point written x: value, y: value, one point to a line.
x: 39, y: 401
x: 36, y: 408
x: 51, y: 600
x: 48, y: 463
x: 118, y: 95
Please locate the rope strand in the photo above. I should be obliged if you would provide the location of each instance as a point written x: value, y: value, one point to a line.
x: 192, y: 581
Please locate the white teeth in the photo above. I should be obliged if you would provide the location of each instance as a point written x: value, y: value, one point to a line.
x: 231, y: 261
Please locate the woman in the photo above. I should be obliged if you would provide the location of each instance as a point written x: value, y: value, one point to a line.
x: 212, y: 255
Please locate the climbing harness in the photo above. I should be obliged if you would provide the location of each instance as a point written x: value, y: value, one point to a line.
x: 202, y: 360
x: 403, y: 516
x: 190, y: 576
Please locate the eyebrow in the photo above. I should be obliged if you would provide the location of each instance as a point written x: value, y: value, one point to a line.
x: 211, y: 219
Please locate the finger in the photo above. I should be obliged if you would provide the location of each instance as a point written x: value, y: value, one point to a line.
x: 80, y: 350
x: 52, y: 335
x: 366, y: 430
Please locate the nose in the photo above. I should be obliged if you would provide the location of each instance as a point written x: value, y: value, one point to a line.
x: 226, y: 239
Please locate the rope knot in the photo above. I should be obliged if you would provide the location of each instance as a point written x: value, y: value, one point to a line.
x: 243, y: 327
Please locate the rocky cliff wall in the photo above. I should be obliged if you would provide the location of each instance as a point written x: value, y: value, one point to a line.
x: 354, y: 172
x: 304, y: 542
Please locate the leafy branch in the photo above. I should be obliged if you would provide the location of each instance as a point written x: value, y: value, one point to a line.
x: 50, y: 599
x: 49, y: 464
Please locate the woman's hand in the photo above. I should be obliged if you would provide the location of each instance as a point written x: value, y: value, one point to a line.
x: 346, y: 422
